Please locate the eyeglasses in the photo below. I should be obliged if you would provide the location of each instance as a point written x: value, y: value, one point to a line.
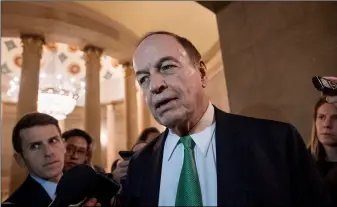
x: 72, y: 150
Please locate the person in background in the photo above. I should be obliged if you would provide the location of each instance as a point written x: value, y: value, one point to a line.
x: 148, y: 135
x: 145, y: 137
x: 40, y: 149
x: 78, y: 149
x: 115, y: 164
x: 323, y: 144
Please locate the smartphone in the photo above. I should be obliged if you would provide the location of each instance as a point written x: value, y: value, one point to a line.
x: 126, y: 155
x: 327, y: 87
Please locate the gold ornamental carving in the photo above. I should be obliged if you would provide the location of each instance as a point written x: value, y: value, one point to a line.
x: 33, y: 42
x: 128, y: 70
x: 90, y: 50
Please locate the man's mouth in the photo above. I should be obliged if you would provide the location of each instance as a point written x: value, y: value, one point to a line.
x: 51, y: 163
x: 163, y: 102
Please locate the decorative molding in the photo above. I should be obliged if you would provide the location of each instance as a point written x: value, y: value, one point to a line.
x: 33, y: 38
x: 128, y: 69
x: 88, y: 49
x: 68, y: 22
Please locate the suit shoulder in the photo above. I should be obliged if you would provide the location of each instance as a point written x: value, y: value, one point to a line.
x: 18, y: 195
x: 257, y: 130
x: 252, y: 122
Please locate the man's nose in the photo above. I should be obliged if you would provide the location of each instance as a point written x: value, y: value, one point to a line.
x: 74, y: 155
x: 157, y: 83
x: 48, y: 150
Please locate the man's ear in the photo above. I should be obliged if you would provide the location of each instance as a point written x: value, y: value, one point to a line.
x: 19, y: 159
x: 203, y: 73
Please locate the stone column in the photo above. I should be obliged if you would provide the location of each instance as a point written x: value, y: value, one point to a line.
x: 111, y: 148
x: 29, y: 81
x: 144, y: 114
x: 62, y: 125
x: 92, y: 110
x: 130, y: 106
x: 28, y: 92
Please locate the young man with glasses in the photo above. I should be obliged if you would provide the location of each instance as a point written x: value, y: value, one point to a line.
x: 78, y: 148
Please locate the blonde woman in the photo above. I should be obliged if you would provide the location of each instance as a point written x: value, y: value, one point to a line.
x: 323, y: 144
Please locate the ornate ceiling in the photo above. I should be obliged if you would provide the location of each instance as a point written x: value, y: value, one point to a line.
x: 115, y: 26
x: 70, y: 66
x: 186, y: 18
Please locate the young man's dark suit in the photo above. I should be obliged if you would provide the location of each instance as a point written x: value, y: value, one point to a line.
x: 259, y: 162
x: 30, y: 194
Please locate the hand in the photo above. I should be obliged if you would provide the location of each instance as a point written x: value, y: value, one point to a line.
x: 92, y: 202
x: 332, y: 99
x: 120, y: 171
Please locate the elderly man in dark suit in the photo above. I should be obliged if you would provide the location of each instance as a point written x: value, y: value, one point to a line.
x: 40, y: 149
x: 207, y: 157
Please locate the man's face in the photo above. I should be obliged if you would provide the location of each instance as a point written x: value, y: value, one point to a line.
x: 42, y: 152
x: 77, y: 152
x: 170, y: 81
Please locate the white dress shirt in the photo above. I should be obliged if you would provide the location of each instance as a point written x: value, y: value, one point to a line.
x: 205, y: 156
x: 48, y: 186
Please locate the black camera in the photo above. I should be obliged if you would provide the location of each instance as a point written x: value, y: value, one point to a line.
x: 326, y: 86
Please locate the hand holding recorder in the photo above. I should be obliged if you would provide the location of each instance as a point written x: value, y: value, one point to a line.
x: 328, y: 87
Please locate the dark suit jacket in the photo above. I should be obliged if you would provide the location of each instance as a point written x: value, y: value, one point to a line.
x: 30, y: 194
x: 259, y: 162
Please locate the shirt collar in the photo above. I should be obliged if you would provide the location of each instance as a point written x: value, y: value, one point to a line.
x: 202, y: 139
x: 48, y: 186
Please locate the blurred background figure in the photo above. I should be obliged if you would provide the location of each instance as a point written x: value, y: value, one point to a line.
x: 115, y: 164
x: 146, y: 136
x: 323, y: 144
x: 79, y: 149
x: 119, y: 166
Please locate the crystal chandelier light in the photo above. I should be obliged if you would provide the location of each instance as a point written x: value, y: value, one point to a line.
x: 57, y: 94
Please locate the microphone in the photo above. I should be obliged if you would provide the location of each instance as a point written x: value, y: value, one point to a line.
x: 81, y: 182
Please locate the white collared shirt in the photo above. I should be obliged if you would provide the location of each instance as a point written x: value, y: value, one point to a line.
x: 205, y: 157
x: 48, y: 186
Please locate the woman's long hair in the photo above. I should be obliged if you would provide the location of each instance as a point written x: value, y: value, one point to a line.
x: 316, y: 148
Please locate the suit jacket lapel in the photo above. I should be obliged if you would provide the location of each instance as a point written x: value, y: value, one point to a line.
x: 36, y: 193
x: 157, y: 155
x: 231, y: 161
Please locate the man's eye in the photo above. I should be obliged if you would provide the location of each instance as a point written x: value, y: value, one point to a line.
x: 143, y: 79
x: 167, y: 67
x: 35, y: 146
x: 54, y: 140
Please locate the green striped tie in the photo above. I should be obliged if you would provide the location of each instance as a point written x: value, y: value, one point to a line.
x: 189, y: 192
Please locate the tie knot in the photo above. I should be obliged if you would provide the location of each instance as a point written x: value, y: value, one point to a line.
x: 187, y: 142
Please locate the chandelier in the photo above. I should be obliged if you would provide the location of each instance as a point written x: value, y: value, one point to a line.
x: 58, y: 93
x: 56, y: 102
